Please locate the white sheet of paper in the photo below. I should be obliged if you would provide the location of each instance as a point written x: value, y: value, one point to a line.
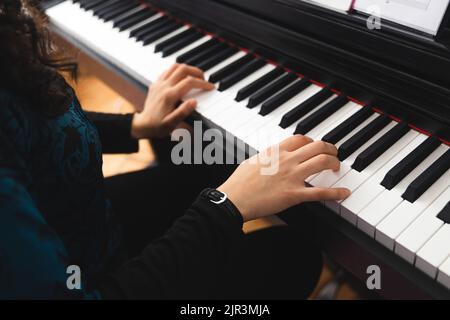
x: 339, y: 5
x: 423, y: 15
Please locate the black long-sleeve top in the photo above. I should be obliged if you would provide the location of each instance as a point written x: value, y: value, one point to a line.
x: 54, y: 214
x: 114, y: 131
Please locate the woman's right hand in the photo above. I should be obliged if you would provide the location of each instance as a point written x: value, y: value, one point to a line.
x: 258, y: 195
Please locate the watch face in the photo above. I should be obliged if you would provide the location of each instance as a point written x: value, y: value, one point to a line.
x: 217, y: 197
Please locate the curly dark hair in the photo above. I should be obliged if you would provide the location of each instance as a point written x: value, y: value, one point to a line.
x: 30, y: 63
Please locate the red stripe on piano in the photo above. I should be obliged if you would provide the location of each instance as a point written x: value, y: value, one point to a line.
x: 317, y: 83
x: 394, y: 118
x: 356, y: 101
x: 339, y: 93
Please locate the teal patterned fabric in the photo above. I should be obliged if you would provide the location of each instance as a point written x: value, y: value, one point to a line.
x: 53, y: 210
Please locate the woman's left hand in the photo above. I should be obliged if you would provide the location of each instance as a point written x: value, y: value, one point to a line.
x: 160, y: 115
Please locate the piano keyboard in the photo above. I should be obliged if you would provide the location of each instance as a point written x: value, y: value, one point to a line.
x: 399, y: 177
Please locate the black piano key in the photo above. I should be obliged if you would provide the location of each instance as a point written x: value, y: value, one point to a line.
x: 240, y: 74
x: 160, y: 46
x: 130, y: 13
x: 133, y: 19
x: 305, y: 107
x: 92, y: 4
x: 320, y: 115
x: 362, y: 136
x: 444, y: 215
x: 104, y: 5
x: 177, y: 46
x: 269, y: 90
x: 197, y: 50
x: 95, y: 5
x: 111, y: 8
x: 154, y: 36
x: 229, y: 69
x: 256, y: 85
x: 283, y: 96
x: 217, y: 58
x: 150, y: 27
x: 335, y: 135
x: 404, y: 167
x: 372, y: 153
x: 211, y: 51
x: 427, y: 178
x: 120, y: 11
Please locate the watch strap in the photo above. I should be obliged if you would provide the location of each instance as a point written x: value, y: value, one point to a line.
x: 220, y: 199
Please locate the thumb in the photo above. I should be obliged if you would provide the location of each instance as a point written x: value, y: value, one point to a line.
x: 323, y: 194
x: 180, y: 113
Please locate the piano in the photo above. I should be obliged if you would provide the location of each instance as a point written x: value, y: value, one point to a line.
x: 284, y: 67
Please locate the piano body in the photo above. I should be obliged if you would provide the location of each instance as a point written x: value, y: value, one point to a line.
x: 286, y: 66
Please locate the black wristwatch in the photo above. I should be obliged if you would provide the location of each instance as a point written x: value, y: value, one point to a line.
x: 221, y: 199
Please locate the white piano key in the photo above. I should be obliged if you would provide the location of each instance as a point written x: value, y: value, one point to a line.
x: 128, y: 13
x: 236, y: 123
x: 353, y: 179
x: 399, y: 219
x: 173, y: 57
x: 388, y: 200
x: 422, y: 229
x: 271, y: 133
x: 369, y: 190
x: 434, y: 252
x: 126, y: 33
x: 261, y: 127
x: 330, y: 123
x: 117, y: 47
x: 159, y: 64
x: 334, y: 120
x: 228, y: 116
x: 205, y: 99
x: 327, y: 178
x: 225, y: 104
x: 444, y: 274
x: 92, y: 32
x: 225, y: 62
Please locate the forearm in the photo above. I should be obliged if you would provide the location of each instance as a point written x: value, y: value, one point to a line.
x: 185, y: 262
x: 115, y: 132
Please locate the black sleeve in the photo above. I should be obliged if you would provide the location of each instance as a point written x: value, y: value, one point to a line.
x: 115, y: 132
x: 185, y: 263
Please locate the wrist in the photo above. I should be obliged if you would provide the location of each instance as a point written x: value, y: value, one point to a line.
x: 236, y: 201
x: 135, y: 129
x: 220, y: 199
x: 138, y: 129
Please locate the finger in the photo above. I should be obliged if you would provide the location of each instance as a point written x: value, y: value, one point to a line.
x: 179, y: 114
x: 318, y: 164
x: 189, y: 83
x: 314, y: 149
x: 184, y: 71
x: 295, y: 142
x: 166, y: 74
x: 325, y: 194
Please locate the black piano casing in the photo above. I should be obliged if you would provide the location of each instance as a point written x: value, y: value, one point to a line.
x: 402, y: 73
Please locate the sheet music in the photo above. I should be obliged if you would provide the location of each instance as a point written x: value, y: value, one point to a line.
x: 338, y: 5
x: 423, y: 15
